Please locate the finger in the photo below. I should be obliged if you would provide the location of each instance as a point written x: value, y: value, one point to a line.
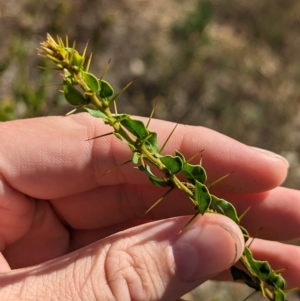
x: 149, y: 262
x: 80, y: 238
x: 16, y: 213
x: 45, y: 239
x: 282, y: 258
x: 272, y: 215
x: 30, y: 232
x: 105, y: 206
x: 49, y: 157
x: 4, y: 266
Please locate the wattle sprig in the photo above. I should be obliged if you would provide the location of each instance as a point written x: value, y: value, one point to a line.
x: 84, y: 89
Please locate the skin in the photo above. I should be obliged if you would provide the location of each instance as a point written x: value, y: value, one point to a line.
x: 71, y: 231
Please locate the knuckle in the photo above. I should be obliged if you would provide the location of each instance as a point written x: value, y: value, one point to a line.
x: 132, y: 272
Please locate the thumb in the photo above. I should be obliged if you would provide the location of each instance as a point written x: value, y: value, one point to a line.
x: 148, y: 262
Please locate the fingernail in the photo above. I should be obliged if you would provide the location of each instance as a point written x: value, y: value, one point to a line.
x: 273, y: 155
x: 204, y: 250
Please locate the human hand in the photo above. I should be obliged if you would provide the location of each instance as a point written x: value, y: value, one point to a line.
x: 56, y: 204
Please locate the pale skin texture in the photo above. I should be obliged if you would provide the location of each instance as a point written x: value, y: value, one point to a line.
x: 57, y: 210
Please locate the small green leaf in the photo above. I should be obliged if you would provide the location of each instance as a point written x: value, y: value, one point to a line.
x: 120, y: 117
x: 151, y: 142
x: 135, y: 127
x: 223, y: 207
x: 131, y: 146
x: 96, y: 113
x: 69, y: 78
x: 279, y: 295
x: 179, y: 154
x: 245, y: 233
x: 135, y: 157
x: 276, y: 281
x: 240, y: 275
x: 77, y: 59
x: 154, y: 179
x: 259, y: 268
x: 202, y: 197
x: 145, y: 169
x: 158, y: 182
x: 106, y: 91
x: 119, y: 136
x: 173, y: 164
x: 194, y: 173
x: 73, y: 96
x: 91, y: 80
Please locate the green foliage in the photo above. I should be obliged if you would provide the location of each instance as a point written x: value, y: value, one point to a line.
x: 154, y: 180
x: 96, y: 113
x: 202, y: 197
x: 143, y: 144
x: 194, y: 173
x: 223, y: 207
x: 72, y: 95
x: 173, y: 164
x: 261, y: 278
x: 151, y: 142
x: 135, y: 127
x: 106, y: 91
x: 91, y: 81
x: 196, y: 21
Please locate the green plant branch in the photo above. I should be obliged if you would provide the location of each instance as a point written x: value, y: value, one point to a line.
x: 143, y: 143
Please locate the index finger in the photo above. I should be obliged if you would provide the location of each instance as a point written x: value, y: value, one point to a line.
x: 49, y: 157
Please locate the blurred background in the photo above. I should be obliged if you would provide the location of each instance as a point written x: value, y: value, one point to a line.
x: 230, y: 65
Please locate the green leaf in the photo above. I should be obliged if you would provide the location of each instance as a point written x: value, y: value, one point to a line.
x: 145, y: 169
x: 276, y: 281
x: 158, y: 182
x: 173, y: 164
x: 223, y: 207
x: 202, y: 197
x: 135, y: 157
x: 135, y: 127
x: 106, y: 91
x: 91, y: 80
x: 120, y: 117
x: 151, y: 142
x: 77, y: 59
x: 96, y: 113
x: 73, y: 96
x: 245, y: 233
x: 279, y: 295
x: 69, y: 78
x: 179, y: 154
x: 154, y: 179
x: 194, y: 173
x: 259, y: 268
x: 119, y: 136
x: 131, y: 146
x: 240, y: 275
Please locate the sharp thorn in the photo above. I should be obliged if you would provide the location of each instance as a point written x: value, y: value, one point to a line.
x: 107, y: 134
